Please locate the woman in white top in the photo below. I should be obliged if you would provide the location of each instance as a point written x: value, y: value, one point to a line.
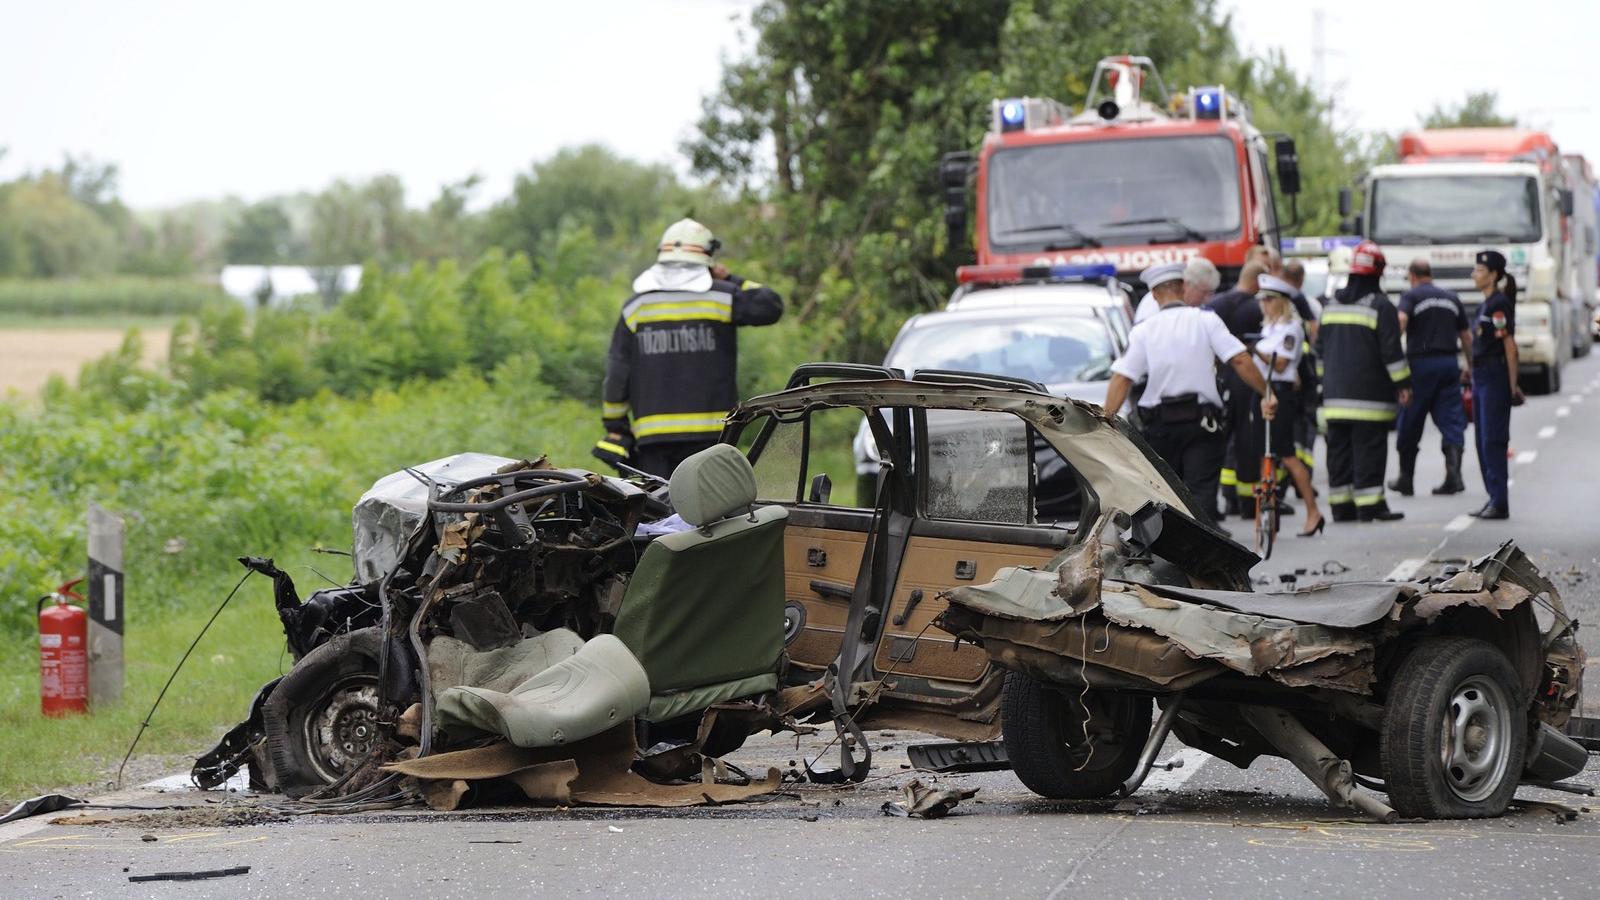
x: 1282, y: 338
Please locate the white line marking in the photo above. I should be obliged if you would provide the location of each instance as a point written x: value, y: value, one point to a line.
x: 1406, y: 570
x: 1173, y: 779
x: 1547, y: 432
x: 1563, y: 411
x: 1459, y: 523
x: 182, y: 782
x: 1575, y: 398
x: 1527, y: 456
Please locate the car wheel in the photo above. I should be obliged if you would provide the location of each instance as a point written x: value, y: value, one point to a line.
x: 322, y: 719
x: 1454, y: 731
x: 1044, y: 732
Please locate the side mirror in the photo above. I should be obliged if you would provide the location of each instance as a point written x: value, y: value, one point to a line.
x: 1288, y: 166
x: 1564, y: 197
x: 821, y: 489
x: 954, y: 171
x: 1351, y: 225
x: 1344, y: 203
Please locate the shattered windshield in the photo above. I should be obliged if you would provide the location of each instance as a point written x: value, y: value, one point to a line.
x: 1455, y: 209
x: 1048, y: 351
x: 1074, y: 194
x: 979, y: 467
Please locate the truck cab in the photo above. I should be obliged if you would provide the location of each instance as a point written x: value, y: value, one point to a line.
x: 1128, y: 181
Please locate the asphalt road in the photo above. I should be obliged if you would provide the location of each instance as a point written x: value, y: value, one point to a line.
x: 1205, y: 829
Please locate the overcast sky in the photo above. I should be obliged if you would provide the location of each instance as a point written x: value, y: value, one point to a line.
x: 200, y: 99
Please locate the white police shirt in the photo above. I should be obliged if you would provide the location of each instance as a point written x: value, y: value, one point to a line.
x: 1175, y: 349
x: 1285, y: 339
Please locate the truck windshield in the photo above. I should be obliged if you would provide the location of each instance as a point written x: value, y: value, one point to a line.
x: 1455, y: 209
x: 1049, y: 351
x: 1125, y: 191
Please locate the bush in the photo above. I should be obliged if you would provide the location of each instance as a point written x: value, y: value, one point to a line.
x: 121, y: 296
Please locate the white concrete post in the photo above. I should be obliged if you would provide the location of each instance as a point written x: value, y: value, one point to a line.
x: 106, y: 612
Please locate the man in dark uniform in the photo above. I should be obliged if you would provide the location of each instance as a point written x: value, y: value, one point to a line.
x: 1364, y: 373
x: 671, y: 374
x: 1177, y: 349
x: 1494, y: 377
x: 1435, y: 325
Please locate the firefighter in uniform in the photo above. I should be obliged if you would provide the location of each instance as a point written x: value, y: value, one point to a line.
x: 1494, y: 377
x: 1176, y: 348
x: 1435, y: 324
x: 1364, y: 373
x: 671, y: 374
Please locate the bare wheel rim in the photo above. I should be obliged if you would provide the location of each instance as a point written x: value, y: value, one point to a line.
x: 1475, y: 746
x: 342, y: 727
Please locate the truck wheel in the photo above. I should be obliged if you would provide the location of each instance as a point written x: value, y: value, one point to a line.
x: 1044, y: 732
x: 322, y: 719
x: 1454, y: 731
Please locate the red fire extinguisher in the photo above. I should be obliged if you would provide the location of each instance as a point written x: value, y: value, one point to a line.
x: 63, y: 653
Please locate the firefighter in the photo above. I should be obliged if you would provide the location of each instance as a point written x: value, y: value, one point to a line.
x: 1435, y: 325
x: 1494, y: 377
x: 1364, y: 374
x: 671, y: 374
x: 1181, y: 408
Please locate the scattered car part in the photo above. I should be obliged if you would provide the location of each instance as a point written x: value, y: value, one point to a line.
x: 46, y: 803
x: 964, y: 756
x: 197, y: 875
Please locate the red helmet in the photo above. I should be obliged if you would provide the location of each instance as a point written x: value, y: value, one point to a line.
x: 1367, y: 259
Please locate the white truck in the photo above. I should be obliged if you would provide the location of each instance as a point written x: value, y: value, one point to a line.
x: 1460, y: 190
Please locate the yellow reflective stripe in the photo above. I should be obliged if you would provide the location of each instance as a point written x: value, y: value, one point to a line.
x: 1340, y: 495
x: 1245, y: 489
x: 609, y: 447
x: 1399, y: 371
x: 1320, y: 371
x: 678, y: 423
x: 1229, y: 477
x: 1369, y: 499
x: 750, y: 285
x: 1345, y: 317
x: 1351, y: 414
x: 609, y: 410
x: 693, y: 310
x: 1306, y: 456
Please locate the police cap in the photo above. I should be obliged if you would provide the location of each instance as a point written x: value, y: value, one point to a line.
x: 1161, y: 274
x: 1268, y: 284
x: 1493, y: 260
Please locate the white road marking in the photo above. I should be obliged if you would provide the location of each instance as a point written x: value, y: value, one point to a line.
x: 181, y: 782
x: 1563, y: 411
x: 1459, y: 523
x: 1406, y: 570
x: 1173, y: 779
x: 1547, y: 432
x: 1575, y: 398
x: 1527, y: 456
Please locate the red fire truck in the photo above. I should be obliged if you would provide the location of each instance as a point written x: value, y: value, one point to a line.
x: 1128, y: 181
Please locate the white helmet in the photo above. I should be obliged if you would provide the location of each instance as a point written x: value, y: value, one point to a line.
x: 687, y: 241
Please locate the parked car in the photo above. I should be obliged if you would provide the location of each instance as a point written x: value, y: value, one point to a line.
x: 955, y: 599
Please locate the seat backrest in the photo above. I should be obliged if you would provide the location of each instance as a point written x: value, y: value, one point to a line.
x: 706, y: 606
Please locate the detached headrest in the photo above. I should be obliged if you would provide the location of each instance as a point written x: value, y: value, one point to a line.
x: 713, y: 484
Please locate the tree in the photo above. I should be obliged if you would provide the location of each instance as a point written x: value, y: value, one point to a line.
x: 261, y: 235
x: 1479, y: 109
x: 56, y: 234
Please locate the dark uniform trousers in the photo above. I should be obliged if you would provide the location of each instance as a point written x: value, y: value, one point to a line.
x: 1435, y: 391
x: 662, y: 459
x: 1357, y: 454
x: 1491, y: 421
x: 1195, y: 453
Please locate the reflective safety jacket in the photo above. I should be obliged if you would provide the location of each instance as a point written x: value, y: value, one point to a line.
x: 1360, y: 360
x: 672, y: 371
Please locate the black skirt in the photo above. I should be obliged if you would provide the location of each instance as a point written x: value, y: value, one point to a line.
x: 1248, y: 448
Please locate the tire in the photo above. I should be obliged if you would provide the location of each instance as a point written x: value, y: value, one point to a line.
x: 323, y: 717
x: 1043, y: 730
x: 1426, y: 774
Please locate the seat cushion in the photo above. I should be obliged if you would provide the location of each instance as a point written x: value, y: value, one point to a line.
x: 664, y: 707
x: 595, y: 689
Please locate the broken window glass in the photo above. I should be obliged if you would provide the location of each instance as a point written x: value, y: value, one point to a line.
x: 978, y: 467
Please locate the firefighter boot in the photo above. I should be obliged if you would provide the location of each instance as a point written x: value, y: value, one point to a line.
x: 1379, y: 512
x: 1408, y: 466
x: 1343, y: 512
x: 1452, y: 472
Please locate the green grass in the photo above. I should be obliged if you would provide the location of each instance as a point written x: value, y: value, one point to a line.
x: 123, y: 295
x: 76, y: 321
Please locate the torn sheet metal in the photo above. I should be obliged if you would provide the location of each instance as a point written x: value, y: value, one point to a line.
x: 1350, y: 604
x: 921, y: 801
x: 596, y: 771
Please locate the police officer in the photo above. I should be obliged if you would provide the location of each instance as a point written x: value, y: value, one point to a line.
x: 671, y: 374
x: 1181, y: 408
x: 1364, y: 373
x: 1494, y: 377
x: 1435, y: 324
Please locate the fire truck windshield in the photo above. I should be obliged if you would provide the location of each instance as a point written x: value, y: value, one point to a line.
x: 1455, y: 209
x: 1123, y: 191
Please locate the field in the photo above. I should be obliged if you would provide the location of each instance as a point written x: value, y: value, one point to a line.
x: 35, y: 349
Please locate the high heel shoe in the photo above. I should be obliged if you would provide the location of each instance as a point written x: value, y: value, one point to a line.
x: 1316, y: 530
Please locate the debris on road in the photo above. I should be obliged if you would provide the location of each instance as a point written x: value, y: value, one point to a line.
x: 46, y: 803
x: 927, y: 802
x: 200, y: 875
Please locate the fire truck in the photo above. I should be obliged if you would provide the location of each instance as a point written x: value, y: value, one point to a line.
x: 1456, y: 191
x: 1131, y: 180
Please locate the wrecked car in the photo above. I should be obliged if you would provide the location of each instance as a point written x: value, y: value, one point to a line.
x: 1022, y: 577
